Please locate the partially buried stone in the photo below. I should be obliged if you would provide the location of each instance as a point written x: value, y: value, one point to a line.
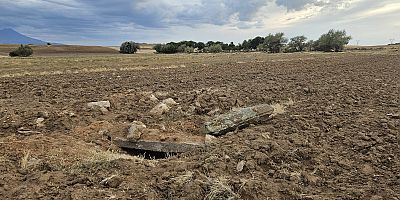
x: 160, y: 109
x: 135, y: 130
x: 225, y: 123
x: 100, y: 104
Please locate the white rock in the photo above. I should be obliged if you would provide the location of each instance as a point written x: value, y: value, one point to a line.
x: 101, y: 104
x: 240, y: 166
x: 160, y: 109
x: 169, y: 102
x: 135, y: 130
x: 153, y: 98
x: 40, y: 122
x: 210, y: 139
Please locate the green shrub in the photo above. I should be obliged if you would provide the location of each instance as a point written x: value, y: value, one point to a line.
x: 128, y: 47
x: 22, y: 51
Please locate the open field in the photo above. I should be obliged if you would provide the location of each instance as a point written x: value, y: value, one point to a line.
x: 61, y: 50
x: 335, y: 133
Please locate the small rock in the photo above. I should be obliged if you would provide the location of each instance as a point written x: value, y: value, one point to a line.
x: 135, y: 130
x: 169, y: 102
x: 113, y: 181
x: 153, y: 98
x: 99, y: 104
x: 240, y: 166
x: 394, y: 116
x: 160, y: 109
x: 210, y: 139
x: 43, y: 114
x: 40, y: 122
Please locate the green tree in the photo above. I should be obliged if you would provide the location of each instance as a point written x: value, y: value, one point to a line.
x: 246, y: 45
x: 297, y: 44
x: 128, y: 47
x: 273, y: 43
x: 216, y: 48
x: 334, y: 40
x: 181, y: 48
x: 254, y: 43
x: 200, y: 46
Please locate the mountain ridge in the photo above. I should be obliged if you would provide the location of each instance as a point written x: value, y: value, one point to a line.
x: 10, y: 36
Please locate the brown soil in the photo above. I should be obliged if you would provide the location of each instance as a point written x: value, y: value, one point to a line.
x: 337, y: 139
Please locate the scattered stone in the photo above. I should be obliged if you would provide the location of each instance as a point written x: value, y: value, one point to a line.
x: 160, y: 109
x: 394, y: 116
x: 210, y: 139
x: 225, y: 123
x: 213, y: 112
x: 135, y: 130
x: 100, y: 104
x: 240, y: 166
x: 113, y: 181
x: 153, y: 98
x: 157, y: 146
x: 26, y: 132
x: 169, y: 102
x: 43, y: 114
x: 40, y: 122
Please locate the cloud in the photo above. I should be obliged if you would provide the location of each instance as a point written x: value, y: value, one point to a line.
x: 110, y: 22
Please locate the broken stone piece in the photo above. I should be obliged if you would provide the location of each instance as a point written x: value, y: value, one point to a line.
x: 99, y: 104
x: 240, y: 166
x: 153, y: 98
x: 225, y: 123
x: 135, y: 130
x: 40, y: 122
x: 169, y: 102
x: 113, y: 181
x: 210, y: 139
x: 160, y: 109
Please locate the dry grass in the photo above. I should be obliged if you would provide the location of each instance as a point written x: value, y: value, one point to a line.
x: 220, y: 189
x: 23, y: 163
x: 280, y: 108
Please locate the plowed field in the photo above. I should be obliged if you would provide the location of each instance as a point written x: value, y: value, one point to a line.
x: 335, y: 133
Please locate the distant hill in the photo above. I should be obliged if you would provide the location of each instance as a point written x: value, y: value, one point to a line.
x: 10, y: 36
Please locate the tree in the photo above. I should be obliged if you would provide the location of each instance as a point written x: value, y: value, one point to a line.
x: 334, y: 40
x: 231, y: 46
x: 216, y: 48
x: 128, y: 47
x: 181, y: 48
x: 297, y: 44
x: 246, y: 45
x: 22, y: 51
x: 200, y: 46
x: 273, y: 43
x: 256, y: 41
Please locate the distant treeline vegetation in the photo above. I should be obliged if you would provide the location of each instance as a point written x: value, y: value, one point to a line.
x: 334, y: 40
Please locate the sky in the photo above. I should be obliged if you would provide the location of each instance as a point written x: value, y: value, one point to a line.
x: 110, y: 22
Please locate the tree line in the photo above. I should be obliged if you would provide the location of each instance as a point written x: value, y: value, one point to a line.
x: 334, y: 40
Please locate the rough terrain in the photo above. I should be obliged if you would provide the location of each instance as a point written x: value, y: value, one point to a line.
x: 335, y: 135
